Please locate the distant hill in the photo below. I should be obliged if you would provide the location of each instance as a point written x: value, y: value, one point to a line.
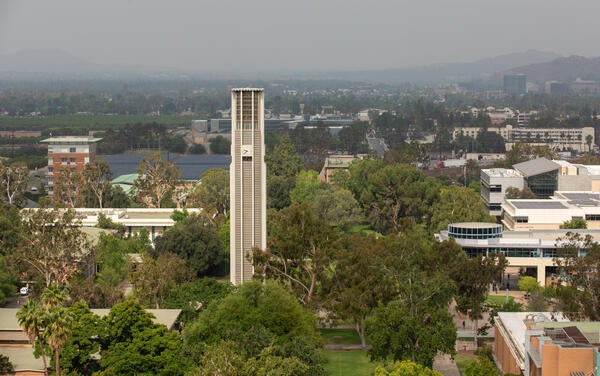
x: 564, y: 69
x: 449, y: 72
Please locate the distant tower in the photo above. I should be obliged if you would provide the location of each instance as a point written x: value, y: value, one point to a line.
x: 248, y: 181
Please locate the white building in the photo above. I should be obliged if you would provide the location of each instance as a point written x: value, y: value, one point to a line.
x: 494, y: 183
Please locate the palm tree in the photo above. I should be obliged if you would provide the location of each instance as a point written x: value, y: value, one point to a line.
x: 53, y: 296
x: 58, y: 332
x: 31, y: 318
x: 588, y: 140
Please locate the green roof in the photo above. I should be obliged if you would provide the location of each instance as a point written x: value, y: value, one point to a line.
x: 125, y: 179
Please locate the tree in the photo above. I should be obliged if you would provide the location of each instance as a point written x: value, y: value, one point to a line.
x: 283, y: 164
x: 31, y: 319
x: 588, y: 140
x: 220, y: 145
x: 212, y: 193
x: 96, y: 177
x: 458, y: 204
x: 472, y: 276
x: 574, y: 223
x: 58, y: 332
x: 353, y: 138
x: 514, y: 193
x: 406, y: 368
x: 153, y: 279
x: 355, y: 289
x: 259, y: 320
x: 197, y: 242
x: 413, y: 153
x: 521, y: 152
x: 482, y: 367
x: 578, y: 259
x: 529, y: 284
x: 52, y: 246
x: 196, y: 296
x: 156, y: 179
x: 415, y: 325
x: 395, y: 192
x: 298, y: 251
x: 133, y: 345
x: 6, y: 367
x: 8, y: 282
x: 68, y: 188
x: 13, y: 180
x: 86, y: 329
x: 283, y: 160
x: 333, y: 205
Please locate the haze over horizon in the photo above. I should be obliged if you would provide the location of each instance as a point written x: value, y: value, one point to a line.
x: 262, y: 35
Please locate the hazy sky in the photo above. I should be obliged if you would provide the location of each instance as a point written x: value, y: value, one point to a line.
x: 298, y: 35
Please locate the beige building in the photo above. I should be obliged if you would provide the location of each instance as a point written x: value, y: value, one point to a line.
x: 549, y: 214
x: 248, y: 177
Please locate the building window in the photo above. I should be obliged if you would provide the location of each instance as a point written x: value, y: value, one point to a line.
x: 72, y: 160
x: 63, y: 160
x: 50, y: 170
x: 50, y: 161
x: 50, y: 150
x: 72, y: 150
x: 86, y: 160
x: 522, y: 219
x: 495, y: 188
x: 592, y: 217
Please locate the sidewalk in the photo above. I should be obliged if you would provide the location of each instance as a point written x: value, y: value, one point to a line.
x: 445, y: 365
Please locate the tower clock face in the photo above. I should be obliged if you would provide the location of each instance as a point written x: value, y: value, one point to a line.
x: 247, y: 150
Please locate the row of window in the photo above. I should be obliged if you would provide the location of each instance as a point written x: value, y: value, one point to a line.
x: 511, y: 252
x: 62, y: 150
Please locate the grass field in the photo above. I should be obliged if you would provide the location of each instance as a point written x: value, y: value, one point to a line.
x: 462, y: 360
x: 348, y: 363
x: 498, y: 299
x: 340, y: 336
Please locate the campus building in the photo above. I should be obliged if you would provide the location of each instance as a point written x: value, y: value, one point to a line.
x: 510, y: 338
x: 534, y: 251
x: 248, y: 177
x: 542, y: 176
x: 68, y: 152
x: 494, y: 183
x: 546, y: 343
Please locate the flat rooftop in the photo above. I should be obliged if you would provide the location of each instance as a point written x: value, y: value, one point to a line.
x: 71, y: 140
x: 501, y: 172
x: 538, y: 204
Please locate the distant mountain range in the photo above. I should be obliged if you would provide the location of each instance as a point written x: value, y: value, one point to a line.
x: 539, y: 67
x: 566, y: 69
x: 449, y: 72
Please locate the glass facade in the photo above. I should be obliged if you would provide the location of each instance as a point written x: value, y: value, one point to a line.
x: 486, y: 231
x: 543, y: 185
x: 510, y: 252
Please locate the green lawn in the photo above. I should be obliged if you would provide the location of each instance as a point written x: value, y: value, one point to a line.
x: 498, y: 299
x: 348, y: 363
x: 340, y: 336
x: 462, y: 360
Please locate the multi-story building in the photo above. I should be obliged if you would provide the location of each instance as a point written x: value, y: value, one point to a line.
x: 532, y: 250
x: 515, y: 83
x: 68, y: 152
x: 512, y: 340
x: 248, y: 177
x: 494, y: 183
x: 546, y: 343
x: 578, y: 139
